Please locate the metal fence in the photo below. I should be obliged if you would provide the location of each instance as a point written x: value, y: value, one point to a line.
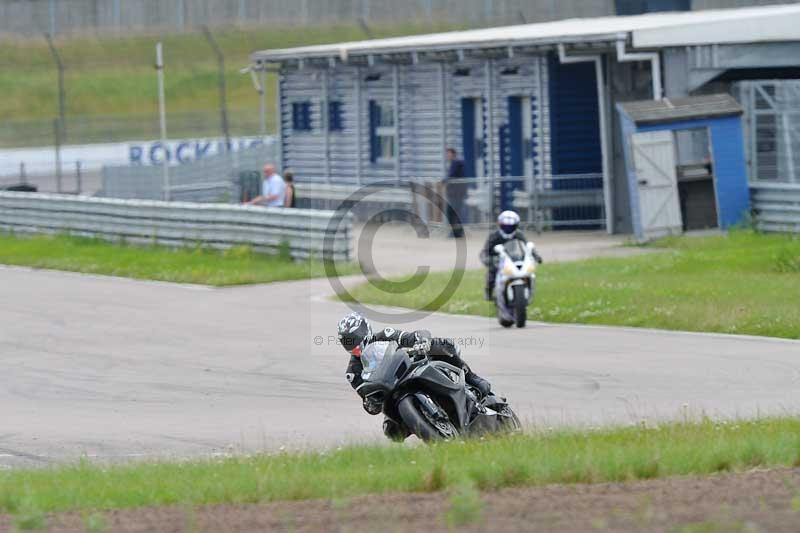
x: 772, y: 129
x: 79, y: 129
x: 776, y: 206
x: 60, y: 17
x: 551, y: 203
x: 71, y: 16
x: 177, y: 223
x: 546, y: 203
x: 215, y: 178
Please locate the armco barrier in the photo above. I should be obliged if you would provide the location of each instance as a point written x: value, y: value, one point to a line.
x: 176, y: 223
x: 776, y: 206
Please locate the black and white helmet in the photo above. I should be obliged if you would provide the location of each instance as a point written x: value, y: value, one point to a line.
x: 508, y: 222
x: 355, y: 333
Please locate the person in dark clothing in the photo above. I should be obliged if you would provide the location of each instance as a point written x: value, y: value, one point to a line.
x: 291, y: 200
x: 355, y: 334
x: 456, y: 190
x: 508, y: 229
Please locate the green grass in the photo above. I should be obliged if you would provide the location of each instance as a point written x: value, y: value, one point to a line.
x: 115, y: 76
x: 744, y: 283
x: 544, y: 457
x: 236, y: 266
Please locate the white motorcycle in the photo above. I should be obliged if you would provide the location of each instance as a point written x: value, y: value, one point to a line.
x: 515, y: 282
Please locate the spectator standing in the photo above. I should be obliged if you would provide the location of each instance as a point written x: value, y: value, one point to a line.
x: 291, y: 200
x: 273, y: 189
x: 456, y: 190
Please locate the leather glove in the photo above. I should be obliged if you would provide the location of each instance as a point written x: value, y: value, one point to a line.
x: 372, y: 407
x: 422, y: 346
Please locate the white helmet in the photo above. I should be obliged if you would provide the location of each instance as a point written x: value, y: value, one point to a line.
x: 508, y: 222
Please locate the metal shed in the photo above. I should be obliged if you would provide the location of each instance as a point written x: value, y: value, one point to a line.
x: 685, y: 164
x: 528, y: 106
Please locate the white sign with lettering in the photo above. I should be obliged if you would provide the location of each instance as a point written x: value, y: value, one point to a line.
x: 41, y: 160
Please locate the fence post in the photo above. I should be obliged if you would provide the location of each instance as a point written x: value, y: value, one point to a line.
x: 52, y: 16
x: 57, y: 138
x: 181, y: 12
x: 223, y: 101
x: 78, y: 177
x: 162, y: 119
x: 61, y: 90
x: 117, y: 15
x: 22, y: 177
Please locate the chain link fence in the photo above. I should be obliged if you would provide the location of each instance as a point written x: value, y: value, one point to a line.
x: 221, y: 178
x: 116, y: 128
x: 64, y: 17
x: 30, y: 151
x: 571, y: 202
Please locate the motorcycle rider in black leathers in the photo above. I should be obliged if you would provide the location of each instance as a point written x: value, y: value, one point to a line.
x: 508, y: 229
x: 355, y: 334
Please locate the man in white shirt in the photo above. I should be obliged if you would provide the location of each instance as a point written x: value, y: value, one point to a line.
x: 273, y: 189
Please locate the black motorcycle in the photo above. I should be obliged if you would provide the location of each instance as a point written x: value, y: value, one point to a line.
x: 430, y: 398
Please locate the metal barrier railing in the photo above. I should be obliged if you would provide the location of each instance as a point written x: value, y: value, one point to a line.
x: 776, y: 206
x: 178, y: 223
x: 555, y: 202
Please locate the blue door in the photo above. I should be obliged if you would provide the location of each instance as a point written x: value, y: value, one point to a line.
x: 472, y: 137
x: 576, y: 154
x: 512, y: 151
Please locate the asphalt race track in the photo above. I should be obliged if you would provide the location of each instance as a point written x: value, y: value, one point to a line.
x: 116, y: 369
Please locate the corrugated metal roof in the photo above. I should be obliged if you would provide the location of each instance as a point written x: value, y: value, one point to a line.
x: 671, y: 110
x: 755, y: 24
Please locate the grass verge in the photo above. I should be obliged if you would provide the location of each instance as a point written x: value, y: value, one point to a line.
x: 744, y: 283
x: 608, y: 455
x: 236, y: 266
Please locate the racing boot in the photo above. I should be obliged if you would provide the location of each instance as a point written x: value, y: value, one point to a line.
x: 483, y: 386
x: 394, y: 431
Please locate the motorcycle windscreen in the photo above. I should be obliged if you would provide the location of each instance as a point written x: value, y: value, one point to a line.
x: 515, y: 249
x: 374, y: 357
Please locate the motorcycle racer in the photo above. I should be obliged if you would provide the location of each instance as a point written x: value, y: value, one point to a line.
x: 355, y: 334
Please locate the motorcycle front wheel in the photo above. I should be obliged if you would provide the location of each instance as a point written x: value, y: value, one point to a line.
x: 422, y: 424
x: 509, y: 420
x: 503, y: 322
x: 520, y: 306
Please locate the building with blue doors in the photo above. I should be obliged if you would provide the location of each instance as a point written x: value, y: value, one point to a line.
x: 531, y: 108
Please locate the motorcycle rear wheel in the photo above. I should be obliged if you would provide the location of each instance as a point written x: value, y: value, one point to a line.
x: 420, y: 424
